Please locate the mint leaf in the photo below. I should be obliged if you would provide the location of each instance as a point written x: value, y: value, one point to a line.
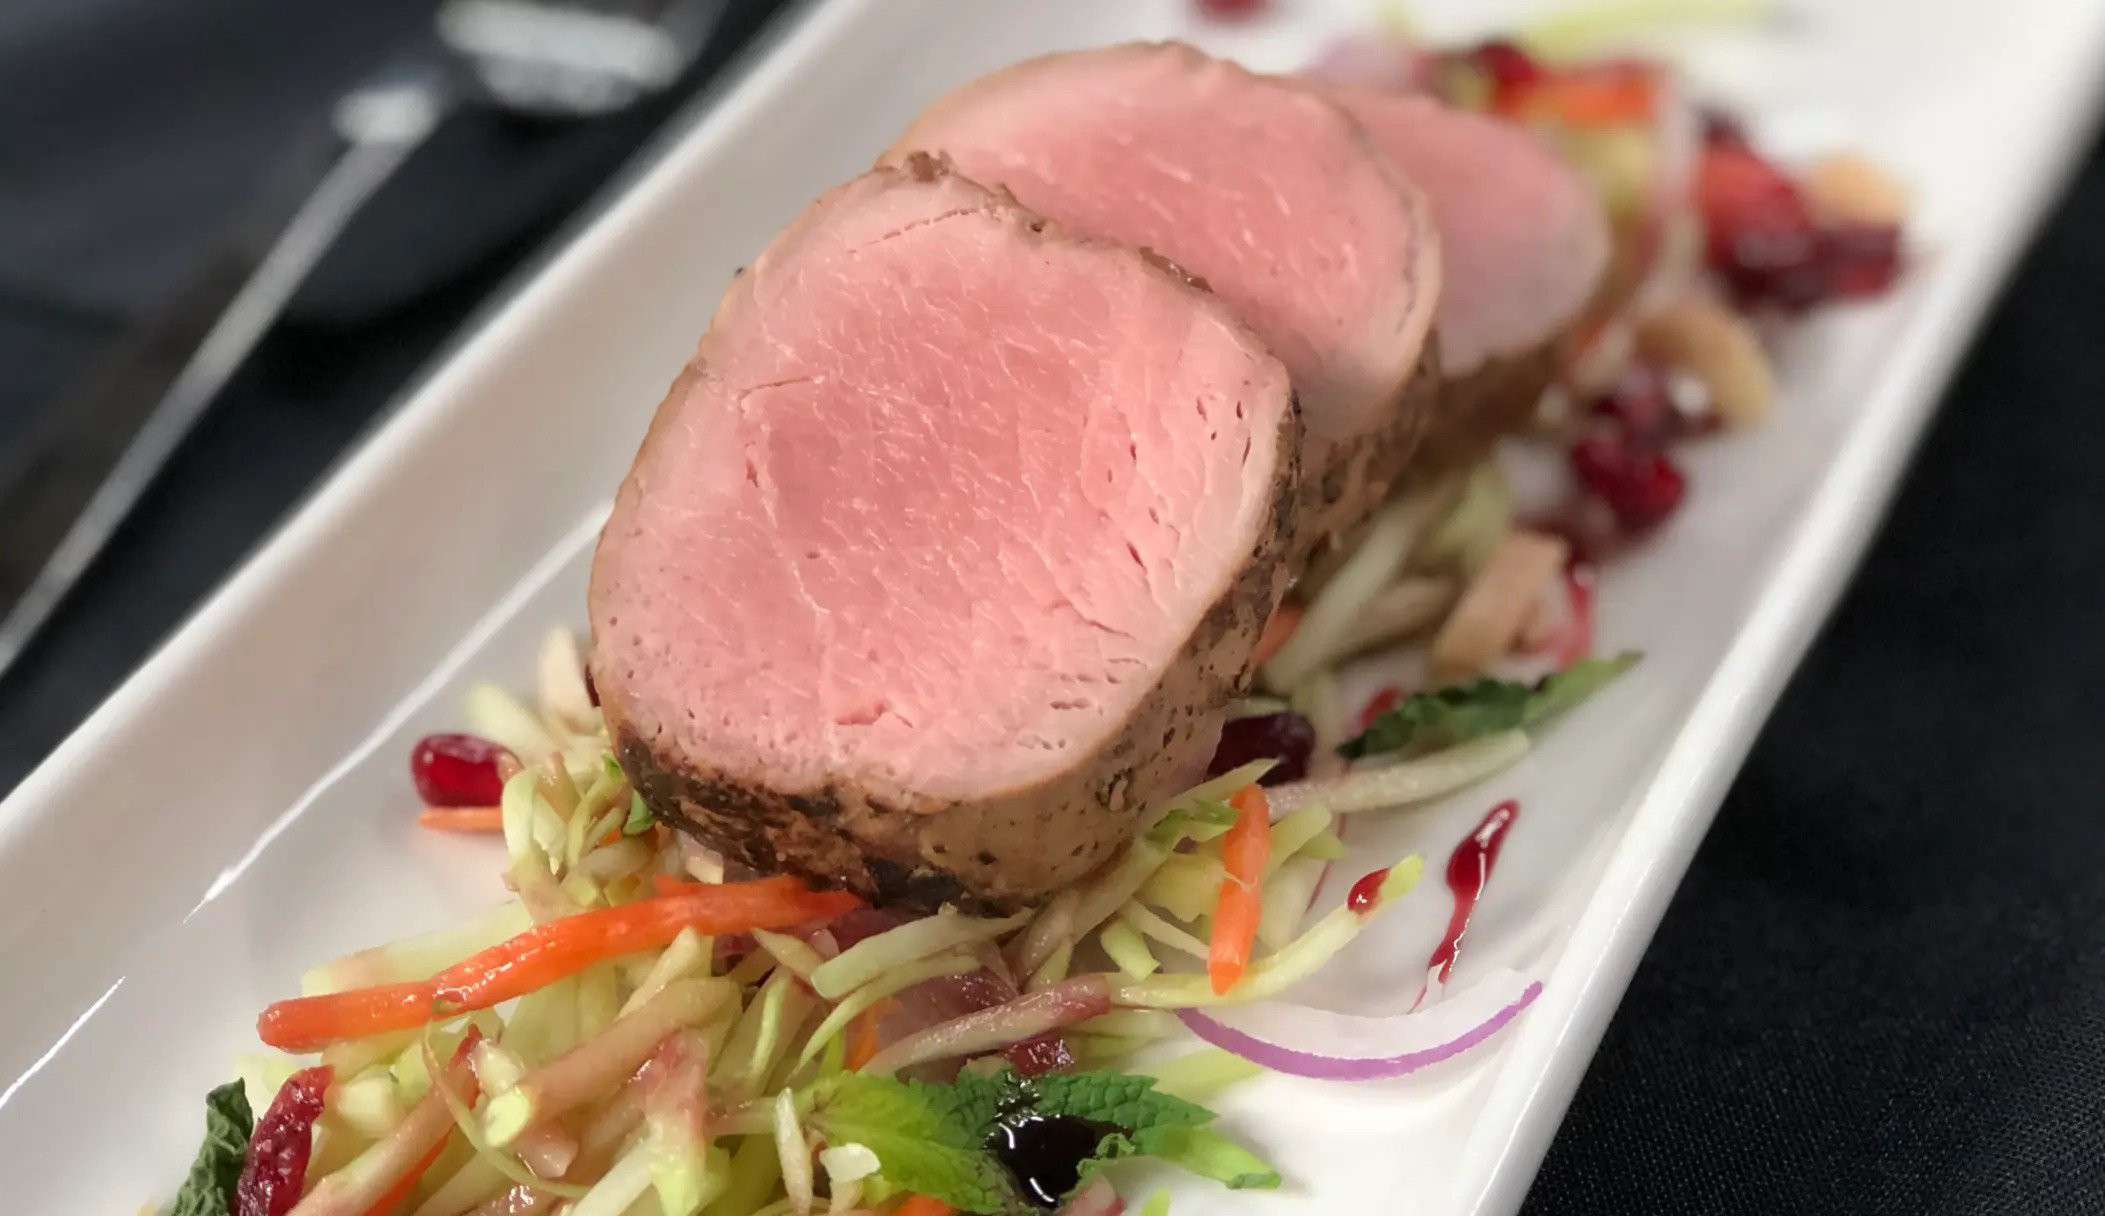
x: 639, y: 820
x: 1148, y: 1123
x: 928, y: 1138
x: 1123, y: 1100
x: 1447, y: 716
x: 208, y: 1190
x: 934, y: 1138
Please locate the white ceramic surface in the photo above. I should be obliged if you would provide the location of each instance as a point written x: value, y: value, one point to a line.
x: 239, y: 809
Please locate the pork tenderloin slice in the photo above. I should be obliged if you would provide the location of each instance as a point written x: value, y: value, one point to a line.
x: 1525, y: 243
x: 946, y: 551
x: 1258, y: 185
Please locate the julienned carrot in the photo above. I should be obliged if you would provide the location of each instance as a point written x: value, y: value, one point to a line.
x: 477, y: 819
x: 865, y: 1043
x: 1277, y: 632
x: 1605, y: 98
x: 464, y: 1083
x: 923, y: 1205
x: 311, y: 1023
x: 389, y: 1203
x: 544, y: 954
x: 1245, y: 849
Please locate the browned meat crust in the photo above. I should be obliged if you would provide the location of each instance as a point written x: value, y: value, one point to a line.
x: 1478, y: 409
x: 1000, y: 853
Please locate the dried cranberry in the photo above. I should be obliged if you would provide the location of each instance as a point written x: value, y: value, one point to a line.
x: 1641, y: 404
x: 1231, y: 10
x: 1642, y: 487
x: 1862, y: 259
x: 1510, y: 68
x: 1285, y: 737
x: 276, y: 1169
x: 1762, y: 238
x: 1721, y: 127
x: 457, y: 770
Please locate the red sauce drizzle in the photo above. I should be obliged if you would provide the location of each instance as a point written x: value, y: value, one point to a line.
x: 1366, y: 893
x: 1467, y: 872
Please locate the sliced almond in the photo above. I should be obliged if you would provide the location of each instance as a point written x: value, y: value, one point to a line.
x: 1491, y: 613
x: 1850, y: 189
x: 1707, y: 339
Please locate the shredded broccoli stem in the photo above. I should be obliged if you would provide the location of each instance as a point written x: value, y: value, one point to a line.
x: 851, y: 1006
x: 1144, y: 919
x: 1197, y: 1076
x: 1128, y: 951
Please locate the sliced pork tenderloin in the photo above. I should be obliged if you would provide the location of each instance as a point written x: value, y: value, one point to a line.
x: 1525, y: 244
x: 946, y: 552
x: 1259, y: 186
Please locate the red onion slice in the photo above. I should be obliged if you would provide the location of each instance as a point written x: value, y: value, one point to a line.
x: 1375, y: 1048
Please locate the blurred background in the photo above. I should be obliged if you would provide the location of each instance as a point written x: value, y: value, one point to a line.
x: 1881, y: 987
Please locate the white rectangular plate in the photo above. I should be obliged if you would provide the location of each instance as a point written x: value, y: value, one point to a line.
x: 239, y: 810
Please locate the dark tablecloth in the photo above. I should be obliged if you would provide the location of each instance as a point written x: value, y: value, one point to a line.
x: 1882, y: 985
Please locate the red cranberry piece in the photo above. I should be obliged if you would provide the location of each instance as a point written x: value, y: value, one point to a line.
x: 1721, y: 127
x: 1863, y: 259
x: 1642, y: 487
x: 457, y: 770
x: 1762, y: 238
x: 276, y: 1167
x: 1510, y: 68
x: 1231, y: 10
x: 1285, y: 737
x: 1641, y: 403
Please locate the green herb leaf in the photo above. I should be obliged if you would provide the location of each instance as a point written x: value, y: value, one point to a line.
x: 1447, y: 716
x: 1125, y: 1100
x: 208, y: 1190
x: 639, y: 820
x: 928, y: 1138
x: 933, y: 1138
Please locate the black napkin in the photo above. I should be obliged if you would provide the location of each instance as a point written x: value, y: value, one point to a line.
x: 134, y: 136
x: 1881, y: 988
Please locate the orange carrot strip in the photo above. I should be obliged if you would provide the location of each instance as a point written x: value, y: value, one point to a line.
x: 923, y: 1205
x: 544, y: 954
x: 1277, y: 632
x: 310, y: 1023
x: 478, y: 819
x: 865, y: 1045
x: 465, y: 1084
x: 1245, y: 849
x: 547, y: 953
x: 1596, y: 99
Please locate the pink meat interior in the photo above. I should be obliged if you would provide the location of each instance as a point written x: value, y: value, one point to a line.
x: 1257, y: 185
x: 1523, y: 236
x: 942, y: 500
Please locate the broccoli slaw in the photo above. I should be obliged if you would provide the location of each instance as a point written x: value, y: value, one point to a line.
x: 642, y: 1028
